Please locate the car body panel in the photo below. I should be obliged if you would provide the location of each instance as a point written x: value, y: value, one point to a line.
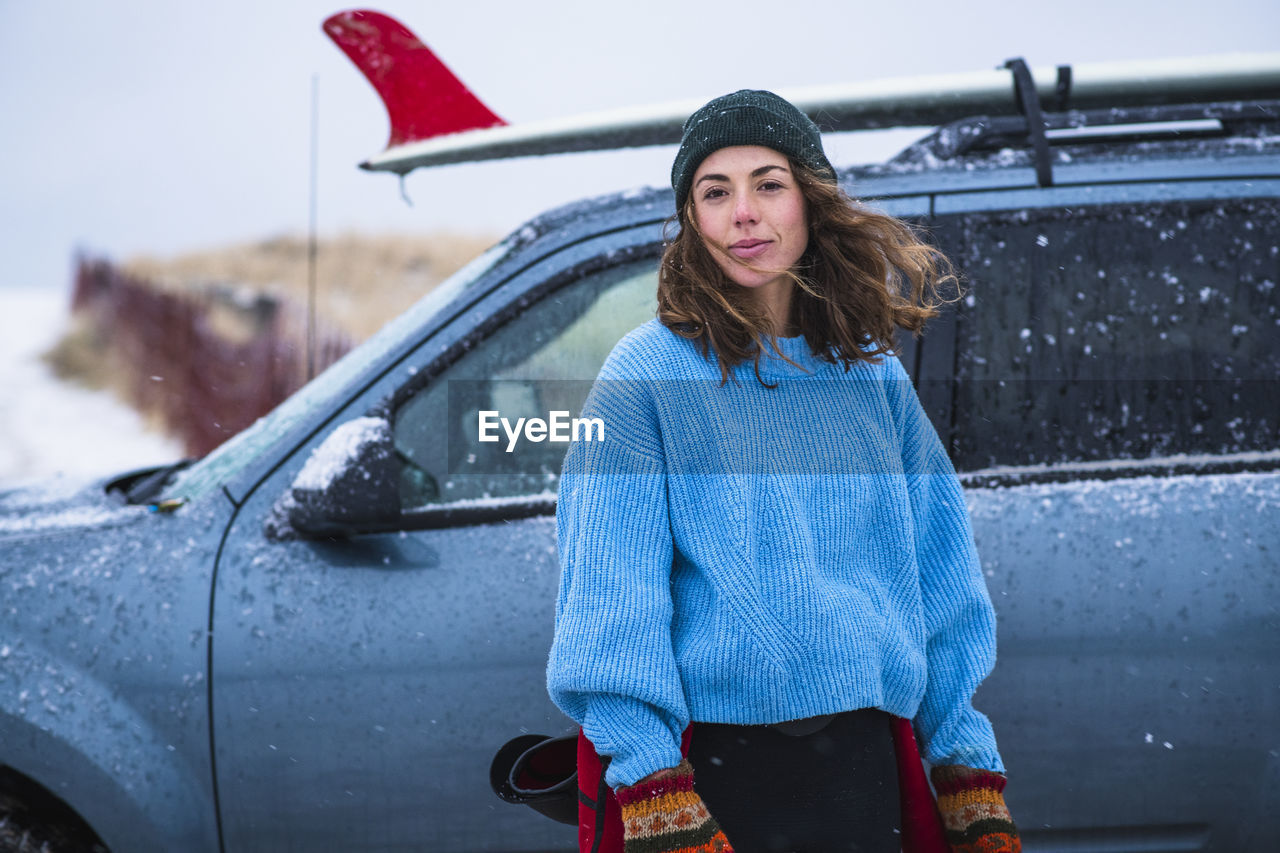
x: 1131, y: 659
x: 103, y: 686
x: 371, y: 685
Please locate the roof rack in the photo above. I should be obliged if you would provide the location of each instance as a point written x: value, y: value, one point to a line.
x: 436, y: 120
x: 1117, y: 124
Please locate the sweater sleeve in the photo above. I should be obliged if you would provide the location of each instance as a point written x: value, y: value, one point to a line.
x: 612, y: 667
x: 959, y: 619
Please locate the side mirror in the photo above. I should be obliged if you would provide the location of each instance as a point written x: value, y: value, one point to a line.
x: 349, y: 484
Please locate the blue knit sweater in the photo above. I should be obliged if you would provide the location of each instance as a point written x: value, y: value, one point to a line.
x: 741, y: 554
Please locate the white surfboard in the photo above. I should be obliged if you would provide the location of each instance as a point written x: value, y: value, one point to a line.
x: 436, y: 120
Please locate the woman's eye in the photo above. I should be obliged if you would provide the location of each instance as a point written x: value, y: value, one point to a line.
x: 713, y: 192
x: 770, y: 185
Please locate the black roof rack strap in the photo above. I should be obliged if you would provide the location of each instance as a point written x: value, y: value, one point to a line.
x: 1028, y: 100
x: 1062, y: 92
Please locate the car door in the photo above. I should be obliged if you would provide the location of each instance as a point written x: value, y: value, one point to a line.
x: 1114, y: 416
x: 362, y: 685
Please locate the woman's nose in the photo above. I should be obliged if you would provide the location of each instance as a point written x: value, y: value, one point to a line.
x: 744, y: 209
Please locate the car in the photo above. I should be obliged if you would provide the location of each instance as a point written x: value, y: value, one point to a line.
x: 319, y: 635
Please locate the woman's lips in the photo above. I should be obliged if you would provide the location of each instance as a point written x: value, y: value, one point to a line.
x: 747, y: 249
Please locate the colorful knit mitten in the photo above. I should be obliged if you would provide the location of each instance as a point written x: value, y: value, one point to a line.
x: 665, y: 815
x: 973, y: 811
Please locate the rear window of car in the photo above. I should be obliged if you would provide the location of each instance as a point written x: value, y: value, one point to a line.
x: 1120, y: 331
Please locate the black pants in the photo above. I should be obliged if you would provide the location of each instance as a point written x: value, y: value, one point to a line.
x: 835, y: 789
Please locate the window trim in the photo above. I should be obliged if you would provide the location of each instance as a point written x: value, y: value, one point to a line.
x: 1004, y: 476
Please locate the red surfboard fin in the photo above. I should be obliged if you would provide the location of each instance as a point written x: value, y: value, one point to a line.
x: 423, y: 97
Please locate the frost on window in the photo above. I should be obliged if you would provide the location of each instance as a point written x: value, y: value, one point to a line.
x: 1123, y: 331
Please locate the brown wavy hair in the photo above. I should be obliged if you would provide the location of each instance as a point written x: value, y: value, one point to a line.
x: 863, y: 275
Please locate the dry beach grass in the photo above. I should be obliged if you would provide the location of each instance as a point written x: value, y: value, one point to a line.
x: 245, y: 295
x: 362, y: 280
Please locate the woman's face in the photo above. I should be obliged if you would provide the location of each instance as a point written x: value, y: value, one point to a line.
x: 751, y: 214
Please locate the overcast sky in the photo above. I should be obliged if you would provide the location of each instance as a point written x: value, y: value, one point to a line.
x: 151, y: 126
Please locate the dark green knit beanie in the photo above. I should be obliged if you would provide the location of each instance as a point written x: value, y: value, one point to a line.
x: 747, y: 117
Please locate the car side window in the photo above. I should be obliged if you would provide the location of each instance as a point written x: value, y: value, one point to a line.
x: 1123, y: 331
x: 536, y: 366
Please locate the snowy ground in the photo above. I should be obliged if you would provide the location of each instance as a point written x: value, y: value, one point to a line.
x: 49, y: 427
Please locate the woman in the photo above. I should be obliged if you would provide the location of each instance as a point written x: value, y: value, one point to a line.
x: 770, y: 542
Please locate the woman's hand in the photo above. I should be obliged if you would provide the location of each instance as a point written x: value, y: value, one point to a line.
x: 973, y: 811
x: 663, y: 814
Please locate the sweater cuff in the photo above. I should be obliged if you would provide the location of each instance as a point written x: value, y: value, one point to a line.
x: 633, y: 735
x: 978, y: 759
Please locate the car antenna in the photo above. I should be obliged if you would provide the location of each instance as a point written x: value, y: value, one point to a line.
x: 311, y: 230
